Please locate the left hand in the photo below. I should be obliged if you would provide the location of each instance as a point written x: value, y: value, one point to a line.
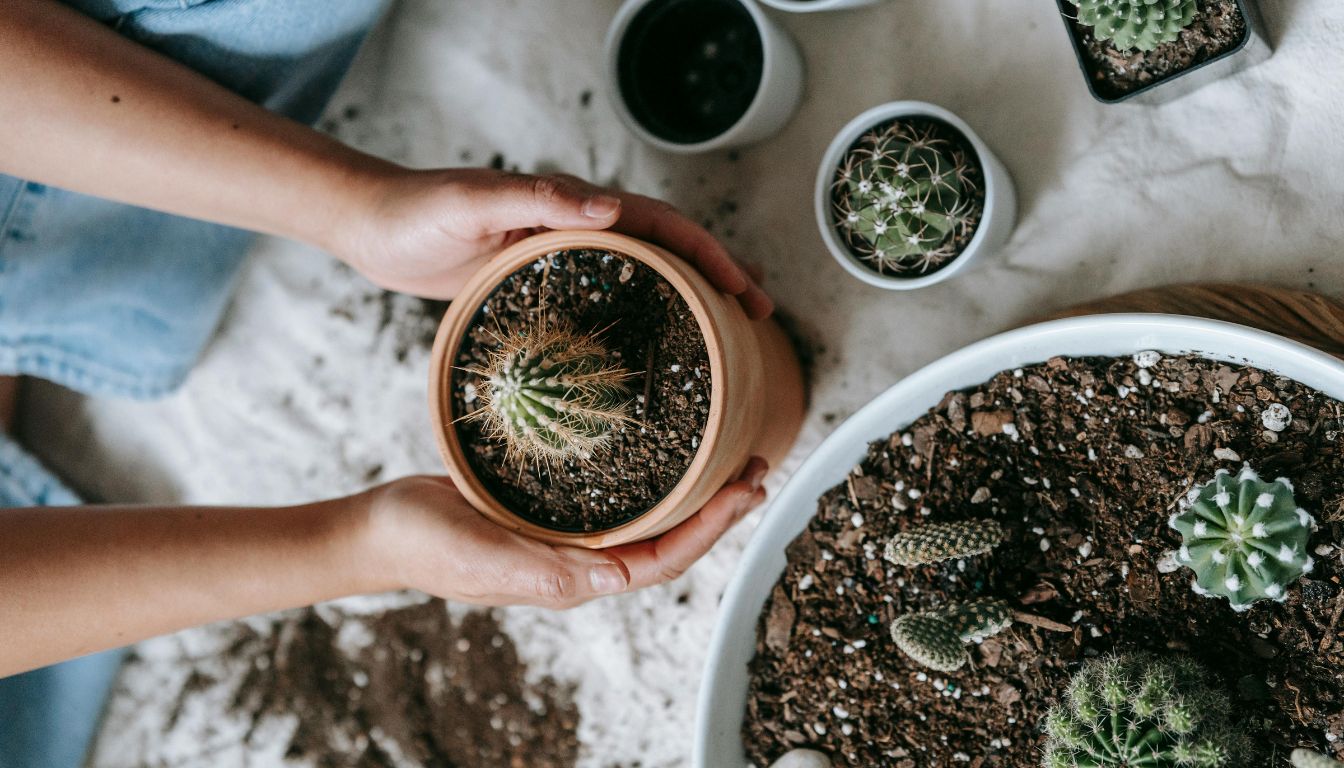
x: 426, y: 232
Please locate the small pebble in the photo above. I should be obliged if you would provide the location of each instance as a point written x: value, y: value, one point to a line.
x: 1226, y: 454
x: 1276, y: 417
x: 1147, y: 358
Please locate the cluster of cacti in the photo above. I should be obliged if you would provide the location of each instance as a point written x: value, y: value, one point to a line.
x: 1305, y: 758
x: 1136, y: 24
x: 1244, y: 538
x: 1138, y: 710
x: 937, y: 639
x: 901, y: 195
x: 936, y: 542
x: 553, y: 395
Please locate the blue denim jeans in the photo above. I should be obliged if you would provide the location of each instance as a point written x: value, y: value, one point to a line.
x: 108, y: 299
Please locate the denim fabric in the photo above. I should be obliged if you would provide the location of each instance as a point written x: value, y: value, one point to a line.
x: 108, y: 299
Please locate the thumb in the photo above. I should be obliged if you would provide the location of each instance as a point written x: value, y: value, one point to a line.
x: 571, y: 576
x: 555, y: 202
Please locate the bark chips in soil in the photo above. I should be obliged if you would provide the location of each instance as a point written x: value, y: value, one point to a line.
x: 1081, y: 460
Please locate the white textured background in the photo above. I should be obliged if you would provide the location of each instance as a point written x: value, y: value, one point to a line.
x: 1242, y: 180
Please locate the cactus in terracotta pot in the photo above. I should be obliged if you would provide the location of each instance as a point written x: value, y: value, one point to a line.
x: 937, y: 639
x: 1140, y: 710
x: 901, y: 195
x: 553, y: 394
x: 1136, y: 24
x: 1244, y: 538
x: 935, y: 542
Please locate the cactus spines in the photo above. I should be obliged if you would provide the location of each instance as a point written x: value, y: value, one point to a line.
x: 553, y: 395
x: 937, y: 639
x: 1244, y: 538
x: 1136, y: 24
x: 1305, y: 758
x: 901, y: 196
x: 1140, y: 710
x: 935, y: 542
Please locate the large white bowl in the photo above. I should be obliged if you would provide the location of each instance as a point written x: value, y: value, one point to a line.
x: 723, y: 692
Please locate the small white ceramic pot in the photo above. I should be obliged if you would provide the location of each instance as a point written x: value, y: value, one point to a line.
x: 996, y: 223
x: 723, y: 687
x: 776, y: 96
x: 812, y: 6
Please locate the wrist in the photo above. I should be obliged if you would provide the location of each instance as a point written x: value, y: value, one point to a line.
x: 355, y: 188
x: 357, y: 555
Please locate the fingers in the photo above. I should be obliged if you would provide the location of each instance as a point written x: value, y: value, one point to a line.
x: 668, y: 556
x: 509, y: 202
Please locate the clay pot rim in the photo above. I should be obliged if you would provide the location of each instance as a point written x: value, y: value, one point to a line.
x: 463, y: 310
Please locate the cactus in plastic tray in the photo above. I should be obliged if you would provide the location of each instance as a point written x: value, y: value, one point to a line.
x: 937, y: 639
x: 1244, y: 538
x: 1136, y: 24
x: 1140, y: 710
x: 901, y: 195
x: 553, y: 394
x: 935, y: 542
x: 1305, y: 758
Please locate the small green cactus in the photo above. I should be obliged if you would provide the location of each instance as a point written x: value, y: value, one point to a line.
x: 1136, y: 24
x: 937, y: 639
x: 1139, y: 710
x: 554, y: 395
x: 1245, y: 540
x: 1305, y: 758
x: 901, y: 196
x: 936, y: 542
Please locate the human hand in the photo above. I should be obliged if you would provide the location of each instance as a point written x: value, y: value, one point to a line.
x: 426, y: 232
x: 423, y: 535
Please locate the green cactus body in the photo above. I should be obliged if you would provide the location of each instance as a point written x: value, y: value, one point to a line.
x: 1136, y: 24
x: 1139, y: 710
x: 1245, y: 539
x: 937, y: 639
x: 901, y: 195
x: 936, y: 542
x: 1305, y: 758
x: 553, y: 395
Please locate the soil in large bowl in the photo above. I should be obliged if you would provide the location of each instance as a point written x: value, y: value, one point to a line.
x: 1082, y: 461
x: 1219, y: 28
x: 955, y: 144
x: 650, y: 330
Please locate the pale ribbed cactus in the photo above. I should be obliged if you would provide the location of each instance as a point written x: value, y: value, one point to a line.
x: 1245, y: 539
x: 1136, y: 24
x: 554, y: 395
x: 936, y: 542
x: 937, y: 639
x: 1305, y: 758
x: 1139, y: 710
x: 901, y: 195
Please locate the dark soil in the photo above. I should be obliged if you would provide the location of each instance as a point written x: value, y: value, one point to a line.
x: 428, y: 691
x: 1218, y: 28
x: 974, y: 181
x: 650, y: 330
x: 1081, y: 461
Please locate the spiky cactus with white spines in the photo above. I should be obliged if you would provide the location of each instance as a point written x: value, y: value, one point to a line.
x: 937, y: 639
x: 554, y: 395
x: 1305, y: 758
x: 1139, y: 710
x: 1136, y: 24
x: 901, y: 196
x: 1244, y: 538
x: 935, y: 542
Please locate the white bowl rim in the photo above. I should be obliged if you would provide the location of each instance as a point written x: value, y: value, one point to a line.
x: 821, y: 197
x: 794, y: 506
x: 616, y: 32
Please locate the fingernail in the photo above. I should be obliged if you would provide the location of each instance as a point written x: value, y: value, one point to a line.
x: 758, y: 475
x: 601, y: 207
x: 607, y: 579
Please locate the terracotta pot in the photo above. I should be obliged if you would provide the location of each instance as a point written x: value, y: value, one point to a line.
x: 756, y: 402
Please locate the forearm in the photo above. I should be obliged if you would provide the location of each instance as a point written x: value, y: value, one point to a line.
x: 78, y: 580
x: 91, y: 111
